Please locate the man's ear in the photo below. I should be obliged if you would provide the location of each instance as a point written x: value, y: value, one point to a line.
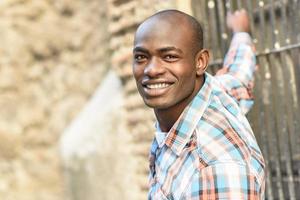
x: 202, y: 59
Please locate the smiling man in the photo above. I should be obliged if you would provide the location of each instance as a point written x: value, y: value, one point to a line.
x: 204, y: 147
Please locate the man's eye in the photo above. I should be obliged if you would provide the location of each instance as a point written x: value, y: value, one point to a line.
x: 139, y: 58
x: 171, y: 58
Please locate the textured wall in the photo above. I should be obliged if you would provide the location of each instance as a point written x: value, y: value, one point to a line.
x: 96, y: 148
x: 53, y: 54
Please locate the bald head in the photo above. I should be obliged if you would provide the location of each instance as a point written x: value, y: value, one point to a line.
x: 175, y: 19
x: 168, y: 60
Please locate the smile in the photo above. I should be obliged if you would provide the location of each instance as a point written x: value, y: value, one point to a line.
x: 158, y: 85
x: 156, y: 89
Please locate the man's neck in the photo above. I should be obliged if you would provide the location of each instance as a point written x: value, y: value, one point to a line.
x: 167, y: 117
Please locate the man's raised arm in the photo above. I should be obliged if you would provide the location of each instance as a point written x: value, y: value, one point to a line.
x: 237, y: 74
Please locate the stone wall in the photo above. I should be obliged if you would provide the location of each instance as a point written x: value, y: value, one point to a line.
x: 53, y: 54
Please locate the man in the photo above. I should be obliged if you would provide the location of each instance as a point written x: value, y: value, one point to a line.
x: 204, y: 147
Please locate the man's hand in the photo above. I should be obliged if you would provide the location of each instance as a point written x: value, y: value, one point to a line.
x: 238, y: 21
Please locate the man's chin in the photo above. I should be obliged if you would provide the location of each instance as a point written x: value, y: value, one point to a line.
x: 156, y: 105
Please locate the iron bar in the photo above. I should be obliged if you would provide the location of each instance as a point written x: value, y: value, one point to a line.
x: 285, y: 48
x: 213, y: 27
x: 262, y: 118
x: 296, y: 108
x: 286, y: 92
x: 249, y: 10
x: 221, y: 14
x: 259, y: 54
x: 273, y: 25
x: 262, y: 26
x: 283, y: 31
x: 279, y: 123
x: 296, y: 6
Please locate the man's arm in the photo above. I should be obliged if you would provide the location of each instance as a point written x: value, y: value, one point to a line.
x: 237, y: 74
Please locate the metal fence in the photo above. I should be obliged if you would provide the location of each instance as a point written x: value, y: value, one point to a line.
x: 275, y: 117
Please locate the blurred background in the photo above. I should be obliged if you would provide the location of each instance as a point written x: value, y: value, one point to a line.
x: 72, y: 125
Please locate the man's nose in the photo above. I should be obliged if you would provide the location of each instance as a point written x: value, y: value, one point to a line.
x: 154, y: 68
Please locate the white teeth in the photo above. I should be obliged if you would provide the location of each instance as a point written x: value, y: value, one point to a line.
x: 158, y: 85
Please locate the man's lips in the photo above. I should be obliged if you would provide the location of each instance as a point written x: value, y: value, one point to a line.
x: 152, y: 89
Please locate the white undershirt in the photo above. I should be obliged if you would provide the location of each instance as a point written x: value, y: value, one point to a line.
x: 160, y: 136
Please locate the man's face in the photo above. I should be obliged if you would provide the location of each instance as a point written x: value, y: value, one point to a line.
x: 164, y: 64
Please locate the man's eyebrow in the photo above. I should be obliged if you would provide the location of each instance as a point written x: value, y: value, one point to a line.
x: 140, y: 49
x: 161, y: 50
x: 171, y: 48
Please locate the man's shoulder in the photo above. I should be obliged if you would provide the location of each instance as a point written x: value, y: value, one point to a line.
x: 222, y: 132
x: 221, y: 104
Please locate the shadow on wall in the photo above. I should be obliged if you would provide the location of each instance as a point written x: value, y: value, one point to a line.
x: 94, y: 148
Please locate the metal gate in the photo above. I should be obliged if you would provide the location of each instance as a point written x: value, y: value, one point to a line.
x: 275, y: 117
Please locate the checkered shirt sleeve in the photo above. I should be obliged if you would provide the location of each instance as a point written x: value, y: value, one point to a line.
x: 237, y: 74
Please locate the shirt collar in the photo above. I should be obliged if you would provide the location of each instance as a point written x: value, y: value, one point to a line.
x: 181, y: 132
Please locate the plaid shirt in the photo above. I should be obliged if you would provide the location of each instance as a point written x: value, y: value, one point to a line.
x: 211, y: 152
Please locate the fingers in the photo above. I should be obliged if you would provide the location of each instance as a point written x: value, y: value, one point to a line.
x: 237, y: 13
x: 238, y: 21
